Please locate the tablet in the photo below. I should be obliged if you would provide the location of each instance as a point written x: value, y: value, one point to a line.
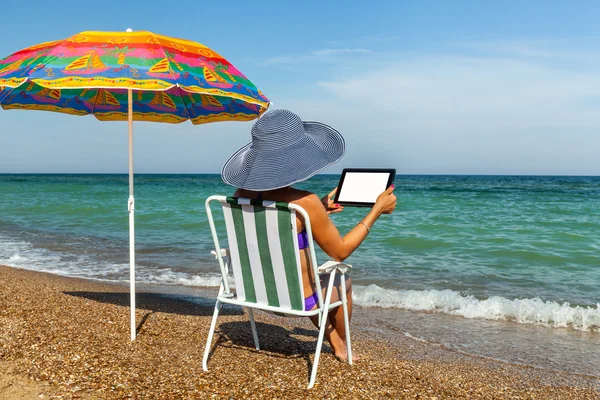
x: 360, y: 187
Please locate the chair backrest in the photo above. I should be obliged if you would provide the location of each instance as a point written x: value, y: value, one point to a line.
x: 263, y: 251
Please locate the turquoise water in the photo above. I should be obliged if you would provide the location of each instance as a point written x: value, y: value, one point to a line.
x: 522, y: 249
x: 496, y: 266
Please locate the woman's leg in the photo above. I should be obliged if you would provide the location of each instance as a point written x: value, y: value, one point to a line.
x: 336, y: 315
x: 335, y: 331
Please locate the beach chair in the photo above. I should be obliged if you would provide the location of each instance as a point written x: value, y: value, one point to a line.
x: 265, y: 262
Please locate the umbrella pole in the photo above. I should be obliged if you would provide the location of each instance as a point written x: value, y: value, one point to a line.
x: 131, y: 208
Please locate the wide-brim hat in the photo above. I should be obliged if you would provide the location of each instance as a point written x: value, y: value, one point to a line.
x: 284, y: 150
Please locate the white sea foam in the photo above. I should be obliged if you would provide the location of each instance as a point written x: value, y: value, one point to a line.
x: 16, y: 258
x: 524, y: 311
x: 170, y: 277
x: 21, y: 254
x: 16, y: 253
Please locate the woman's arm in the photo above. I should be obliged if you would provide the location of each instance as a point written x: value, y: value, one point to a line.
x: 327, y: 235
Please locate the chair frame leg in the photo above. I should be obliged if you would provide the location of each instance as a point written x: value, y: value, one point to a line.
x: 325, y: 313
x: 346, y: 318
x: 253, y: 325
x: 211, y: 333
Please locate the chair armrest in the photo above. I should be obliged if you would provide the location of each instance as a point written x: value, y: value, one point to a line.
x: 224, y: 253
x: 329, y: 266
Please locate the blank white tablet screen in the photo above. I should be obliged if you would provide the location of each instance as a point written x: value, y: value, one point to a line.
x: 363, y: 187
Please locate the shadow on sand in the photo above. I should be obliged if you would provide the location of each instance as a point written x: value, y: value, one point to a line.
x: 274, y: 340
x: 160, y: 302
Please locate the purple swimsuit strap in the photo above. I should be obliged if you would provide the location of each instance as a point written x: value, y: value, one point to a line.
x: 302, y: 240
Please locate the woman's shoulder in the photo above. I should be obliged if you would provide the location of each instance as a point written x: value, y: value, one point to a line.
x: 305, y: 199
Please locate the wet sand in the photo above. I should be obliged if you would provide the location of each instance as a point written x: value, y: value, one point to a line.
x: 69, y: 338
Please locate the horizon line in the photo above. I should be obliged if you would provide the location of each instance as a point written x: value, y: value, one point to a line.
x: 326, y: 174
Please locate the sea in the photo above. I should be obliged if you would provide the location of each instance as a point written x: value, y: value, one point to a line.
x: 500, y: 267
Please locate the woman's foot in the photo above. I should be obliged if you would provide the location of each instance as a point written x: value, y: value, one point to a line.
x: 344, y: 358
x: 342, y: 355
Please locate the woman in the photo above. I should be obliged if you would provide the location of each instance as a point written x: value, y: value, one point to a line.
x: 286, y: 150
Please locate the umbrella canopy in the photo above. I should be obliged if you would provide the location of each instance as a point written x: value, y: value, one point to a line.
x: 89, y: 73
x: 127, y: 76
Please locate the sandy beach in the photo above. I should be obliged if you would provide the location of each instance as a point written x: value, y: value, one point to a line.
x: 69, y: 338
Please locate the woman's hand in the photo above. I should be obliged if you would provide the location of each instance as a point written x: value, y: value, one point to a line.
x: 386, y: 201
x: 330, y: 207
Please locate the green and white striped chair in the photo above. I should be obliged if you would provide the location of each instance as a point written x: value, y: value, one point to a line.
x: 265, y: 261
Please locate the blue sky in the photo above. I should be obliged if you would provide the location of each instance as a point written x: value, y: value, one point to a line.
x: 427, y: 87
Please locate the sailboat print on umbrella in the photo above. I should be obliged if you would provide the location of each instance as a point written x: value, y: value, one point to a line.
x: 88, y: 64
x: 206, y: 102
x: 46, y: 95
x: 216, y: 80
x: 162, y: 102
x: 102, y: 101
x: 32, y: 93
x: 163, y: 69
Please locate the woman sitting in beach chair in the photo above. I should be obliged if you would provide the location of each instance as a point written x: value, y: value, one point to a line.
x: 286, y: 150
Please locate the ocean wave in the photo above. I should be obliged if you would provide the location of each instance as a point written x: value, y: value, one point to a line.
x: 524, y: 311
x: 41, y: 261
x: 170, y: 277
x: 22, y: 254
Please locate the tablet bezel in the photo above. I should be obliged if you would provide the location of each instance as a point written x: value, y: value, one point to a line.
x: 390, y: 171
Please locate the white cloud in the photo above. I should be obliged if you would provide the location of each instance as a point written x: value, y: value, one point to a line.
x: 441, y: 114
x: 465, y: 89
x: 574, y: 50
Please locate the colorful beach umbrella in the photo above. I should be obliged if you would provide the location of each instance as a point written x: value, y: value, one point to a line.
x: 129, y: 76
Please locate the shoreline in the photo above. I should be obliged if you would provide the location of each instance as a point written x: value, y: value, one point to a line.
x: 62, y: 336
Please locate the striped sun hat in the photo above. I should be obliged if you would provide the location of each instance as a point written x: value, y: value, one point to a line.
x: 284, y: 150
